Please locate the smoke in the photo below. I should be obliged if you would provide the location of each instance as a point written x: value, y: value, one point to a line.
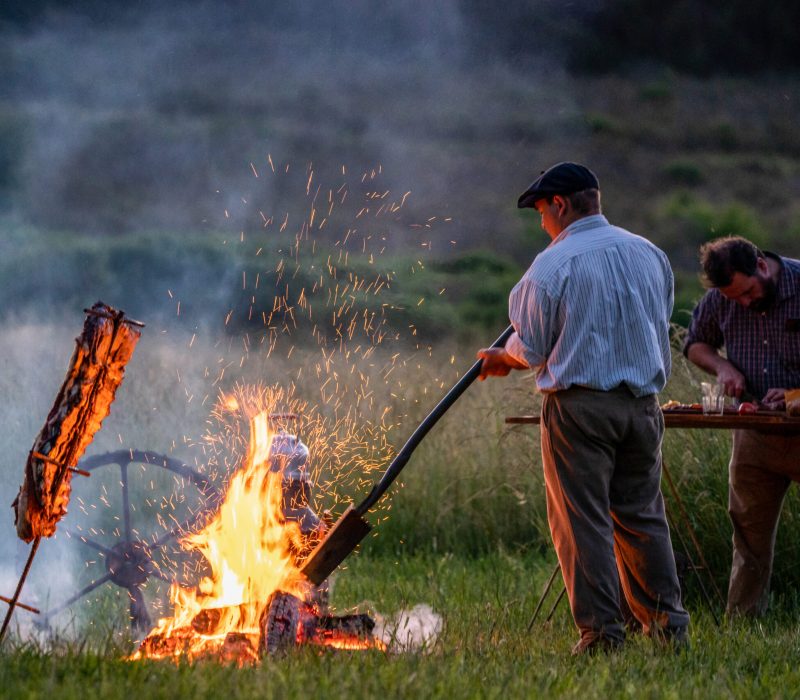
x: 159, y: 408
x: 137, y: 142
x: 136, y: 163
x: 149, y: 122
x: 414, y: 630
x: 137, y: 124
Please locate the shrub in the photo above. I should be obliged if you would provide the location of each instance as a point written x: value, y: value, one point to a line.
x: 602, y: 124
x: 683, y: 172
x: 688, y: 291
x: 475, y: 262
x: 724, y: 135
x: 12, y: 135
x: 478, y: 284
x: 686, y: 221
x: 51, y: 272
x: 660, y: 91
x: 740, y: 220
x: 701, y: 38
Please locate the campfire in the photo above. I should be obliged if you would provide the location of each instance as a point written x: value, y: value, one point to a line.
x: 254, y: 601
x: 266, y: 555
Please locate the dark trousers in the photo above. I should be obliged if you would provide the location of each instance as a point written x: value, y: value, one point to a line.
x: 601, y: 453
x: 761, y: 470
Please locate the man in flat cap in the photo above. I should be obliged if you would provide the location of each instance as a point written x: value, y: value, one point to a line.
x: 591, y: 318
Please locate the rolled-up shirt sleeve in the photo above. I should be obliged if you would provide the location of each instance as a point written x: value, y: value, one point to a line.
x: 532, y: 313
x: 704, y: 327
x: 517, y: 349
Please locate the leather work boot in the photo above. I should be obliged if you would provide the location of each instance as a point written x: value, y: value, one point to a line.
x: 674, y: 638
x: 597, y: 645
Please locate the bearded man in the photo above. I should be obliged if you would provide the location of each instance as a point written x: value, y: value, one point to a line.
x: 752, y: 309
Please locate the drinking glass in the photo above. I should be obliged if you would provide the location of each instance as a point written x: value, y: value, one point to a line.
x: 713, y: 398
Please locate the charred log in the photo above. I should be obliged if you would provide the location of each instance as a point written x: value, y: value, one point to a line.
x: 288, y: 622
x: 358, y: 624
x: 159, y: 646
x: 94, y: 374
x: 279, y: 624
x: 210, y: 620
x: 237, y: 648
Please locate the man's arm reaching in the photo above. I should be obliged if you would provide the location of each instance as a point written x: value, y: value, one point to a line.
x: 497, y: 362
x: 707, y: 358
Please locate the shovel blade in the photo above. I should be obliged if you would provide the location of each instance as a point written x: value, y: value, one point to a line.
x: 345, y: 535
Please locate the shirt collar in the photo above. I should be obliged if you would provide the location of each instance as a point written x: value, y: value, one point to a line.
x: 787, y: 283
x: 583, y: 224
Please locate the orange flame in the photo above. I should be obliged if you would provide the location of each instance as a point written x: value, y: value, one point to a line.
x: 249, y: 548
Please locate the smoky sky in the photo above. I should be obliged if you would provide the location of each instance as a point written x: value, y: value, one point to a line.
x: 136, y: 121
x: 145, y: 118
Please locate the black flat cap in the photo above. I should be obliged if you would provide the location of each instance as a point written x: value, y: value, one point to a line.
x: 562, y: 178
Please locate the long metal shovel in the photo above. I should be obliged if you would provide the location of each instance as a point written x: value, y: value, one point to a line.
x: 351, y: 527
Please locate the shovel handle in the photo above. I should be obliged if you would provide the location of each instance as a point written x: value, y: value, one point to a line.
x: 404, y: 455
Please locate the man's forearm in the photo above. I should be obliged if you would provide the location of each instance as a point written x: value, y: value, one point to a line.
x: 706, y: 358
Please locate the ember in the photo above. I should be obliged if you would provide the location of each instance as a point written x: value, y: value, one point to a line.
x: 255, y: 601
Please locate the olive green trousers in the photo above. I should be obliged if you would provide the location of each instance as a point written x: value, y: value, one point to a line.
x: 762, y: 468
x: 601, y: 453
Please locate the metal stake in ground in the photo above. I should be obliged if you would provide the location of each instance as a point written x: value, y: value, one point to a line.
x: 694, y: 568
x: 555, y: 604
x: 690, y: 530
x: 546, y: 590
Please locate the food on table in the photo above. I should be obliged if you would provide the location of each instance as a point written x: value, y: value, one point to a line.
x: 792, y: 398
x: 673, y: 405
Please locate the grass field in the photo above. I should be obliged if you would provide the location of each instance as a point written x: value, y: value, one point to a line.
x: 484, y: 650
x: 218, y: 175
x: 464, y: 532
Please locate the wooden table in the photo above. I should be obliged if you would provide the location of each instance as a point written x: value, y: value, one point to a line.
x: 764, y: 421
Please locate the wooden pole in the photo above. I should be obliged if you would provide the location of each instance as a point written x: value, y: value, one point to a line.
x: 13, y: 602
x: 688, y: 523
x: 546, y: 590
x: 29, y: 608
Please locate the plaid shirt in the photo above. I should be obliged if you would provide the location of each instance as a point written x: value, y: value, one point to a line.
x: 763, y: 345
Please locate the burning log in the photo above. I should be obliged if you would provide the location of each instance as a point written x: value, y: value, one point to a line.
x: 160, y: 646
x: 287, y: 622
x: 237, y: 648
x: 254, y: 544
x: 209, y: 620
x: 95, y: 372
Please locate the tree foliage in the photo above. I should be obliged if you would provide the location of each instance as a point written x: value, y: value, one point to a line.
x: 700, y: 37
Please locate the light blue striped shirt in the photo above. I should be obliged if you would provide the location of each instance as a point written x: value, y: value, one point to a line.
x: 593, y: 310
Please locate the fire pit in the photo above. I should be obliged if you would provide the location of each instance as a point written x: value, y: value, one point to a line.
x: 285, y: 622
x: 256, y: 602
